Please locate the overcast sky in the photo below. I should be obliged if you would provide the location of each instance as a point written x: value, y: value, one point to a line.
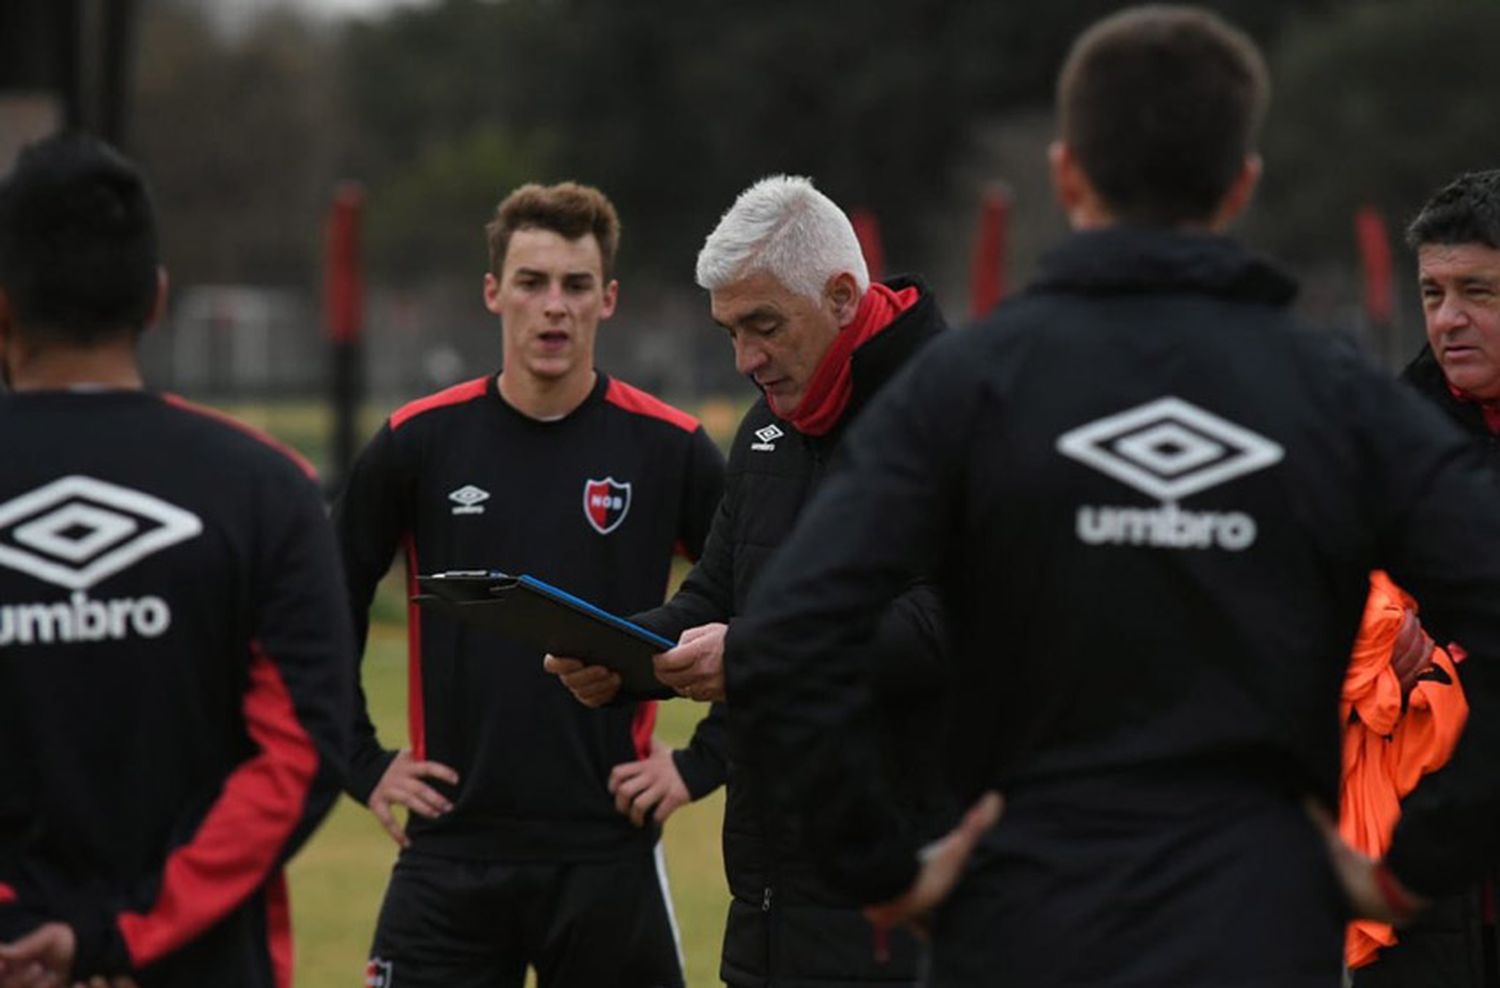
x: 235, y: 14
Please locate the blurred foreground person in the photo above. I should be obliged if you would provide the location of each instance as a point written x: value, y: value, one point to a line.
x: 787, y: 281
x: 1154, y: 501
x: 1457, y: 240
x: 515, y: 854
x: 174, y: 656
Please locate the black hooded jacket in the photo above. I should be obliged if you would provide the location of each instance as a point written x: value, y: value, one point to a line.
x: 787, y: 926
x: 1154, y: 500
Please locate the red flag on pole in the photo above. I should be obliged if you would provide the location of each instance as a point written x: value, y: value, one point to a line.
x: 1375, y: 259
x: 987, y: 272
x: 343, y: 287
x: 867, y: 230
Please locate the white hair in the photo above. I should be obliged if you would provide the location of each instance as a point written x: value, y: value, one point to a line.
x: 784, y: 227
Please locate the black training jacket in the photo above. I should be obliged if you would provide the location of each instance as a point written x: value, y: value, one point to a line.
x: 174, y: 681
x: 1154, y: 501
x: 1446, y: 946
x: 595, y: 503
x: 786, y: 925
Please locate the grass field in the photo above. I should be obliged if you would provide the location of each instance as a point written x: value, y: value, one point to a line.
x: 339, y: 878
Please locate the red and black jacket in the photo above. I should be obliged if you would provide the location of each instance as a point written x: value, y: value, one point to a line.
x: 174, y: 671
x: 595, y: 502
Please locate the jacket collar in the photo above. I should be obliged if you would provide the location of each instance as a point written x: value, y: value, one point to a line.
x: 1426, y: 375
x: 1125, y: 259
x: 878, y: 359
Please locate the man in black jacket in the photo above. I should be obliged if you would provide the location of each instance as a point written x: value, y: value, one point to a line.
x: 789, y: 285
x: 1457, y: 240
x: 1153, y: 501
x: 174, y: 651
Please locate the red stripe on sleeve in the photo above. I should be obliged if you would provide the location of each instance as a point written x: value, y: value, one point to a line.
x: 416, y: 709
x: 637, y: 401
x: 236, y: 848
x: 7, y: 894
x: 641, y: 727
x: 279, y: 929
x: 213, y: 413
x: 456, y: 395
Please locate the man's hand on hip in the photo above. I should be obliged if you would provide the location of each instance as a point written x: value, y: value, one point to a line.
x: 651, y: 782
x: 404, y: 783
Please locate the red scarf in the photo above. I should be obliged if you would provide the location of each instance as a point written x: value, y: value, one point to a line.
x: 1490, y: 409
x: 828, y: 392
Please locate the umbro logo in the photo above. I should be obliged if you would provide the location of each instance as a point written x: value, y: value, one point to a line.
x: 767, y: 437
x: 76, y: 531
x: 1168, y: 449
x: 72, y: 533
x: 469, y: 500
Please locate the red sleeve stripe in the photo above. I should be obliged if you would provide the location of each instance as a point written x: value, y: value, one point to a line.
x: 254, y: 433
x: 7, y: 894
x: 279, y: 929
x: 642, y: 726
x: 637, y: 401
x: 416, y: 710
x: 239, y: 842
x: 456, y: 395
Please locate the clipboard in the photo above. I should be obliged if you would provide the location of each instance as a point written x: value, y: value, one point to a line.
x: 549, y: 619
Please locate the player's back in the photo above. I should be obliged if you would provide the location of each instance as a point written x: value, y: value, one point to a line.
x: 138, y: 545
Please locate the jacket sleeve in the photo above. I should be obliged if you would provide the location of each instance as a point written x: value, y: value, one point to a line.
x: 707, y: 593
x: 370, y: 519
x: 1434, y: 502
x: 704, y: 763
x: 295, y: 712
x: 798, y: 680
x: 703, y: 486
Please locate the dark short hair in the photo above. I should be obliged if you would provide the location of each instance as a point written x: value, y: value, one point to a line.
x: 1161, y: 105
x: 1465, y: 211
x: 568, y: 209
x: 78, y: 243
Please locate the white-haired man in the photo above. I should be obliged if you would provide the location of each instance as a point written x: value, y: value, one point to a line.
x: 787, y: 281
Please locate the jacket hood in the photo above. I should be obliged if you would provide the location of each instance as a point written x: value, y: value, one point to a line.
x: 1137, y: 259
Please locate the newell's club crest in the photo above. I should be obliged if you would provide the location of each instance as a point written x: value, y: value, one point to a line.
x: 605, y: 503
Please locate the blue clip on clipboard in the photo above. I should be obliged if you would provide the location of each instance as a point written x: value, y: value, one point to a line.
x: 535, y: 613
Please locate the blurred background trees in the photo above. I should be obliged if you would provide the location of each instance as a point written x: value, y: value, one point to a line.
x: 672, y: 106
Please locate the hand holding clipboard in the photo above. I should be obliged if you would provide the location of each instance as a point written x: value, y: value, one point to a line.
x: 547, y: 618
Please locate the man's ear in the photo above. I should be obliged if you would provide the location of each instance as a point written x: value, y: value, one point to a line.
x: 843, y: 296
x: 1241, y: 191
x: 1080, y: 201
x: 1062, y: 169
x: 492, y: 293
x: 7, y: 339
x: 159, y: 306
x: 611, y: 298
